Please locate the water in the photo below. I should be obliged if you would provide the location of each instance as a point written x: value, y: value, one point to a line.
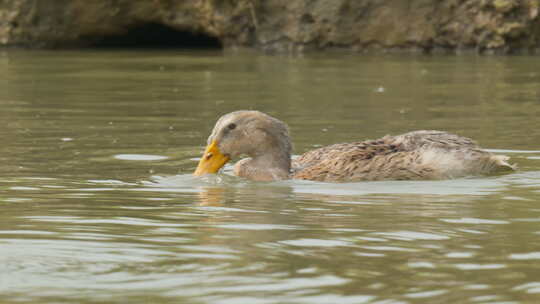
x: 97, y: 203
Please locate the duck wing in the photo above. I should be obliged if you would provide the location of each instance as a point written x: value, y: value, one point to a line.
x: 414, y: 155
x: 431, y: 139
x: 345, y: 161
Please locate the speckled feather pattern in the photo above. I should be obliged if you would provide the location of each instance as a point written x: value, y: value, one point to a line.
x: 414, y: 155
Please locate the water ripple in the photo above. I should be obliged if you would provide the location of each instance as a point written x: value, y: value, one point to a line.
x: 315, y: 243
x: 412, y: 235
x: 475, y: 221
x: 525, y: 256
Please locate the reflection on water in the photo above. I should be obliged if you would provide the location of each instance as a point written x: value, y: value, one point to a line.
x: 98, y: 203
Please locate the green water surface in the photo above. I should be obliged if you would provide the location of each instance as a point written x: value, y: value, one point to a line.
x: 98, y: 205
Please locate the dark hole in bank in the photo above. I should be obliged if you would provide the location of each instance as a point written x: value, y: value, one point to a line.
x: 154, y: 35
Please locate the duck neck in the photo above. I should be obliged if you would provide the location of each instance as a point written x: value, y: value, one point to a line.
x: 276, y: 161
x: 272, y: 165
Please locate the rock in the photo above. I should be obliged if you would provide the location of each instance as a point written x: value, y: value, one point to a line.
x: 493, y: 26
x: 504, y: 6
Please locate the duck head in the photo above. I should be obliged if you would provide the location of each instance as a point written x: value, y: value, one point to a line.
x: 263, y: 138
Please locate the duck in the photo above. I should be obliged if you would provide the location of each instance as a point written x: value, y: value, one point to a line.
x: 416, y: 155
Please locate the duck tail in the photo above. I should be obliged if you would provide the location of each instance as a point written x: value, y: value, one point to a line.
x: 501, y: 163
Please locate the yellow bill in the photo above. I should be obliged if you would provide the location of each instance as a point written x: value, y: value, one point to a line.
x: 211, y: 161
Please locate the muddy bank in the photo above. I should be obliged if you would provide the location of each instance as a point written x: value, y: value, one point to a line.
x: 484, y: 26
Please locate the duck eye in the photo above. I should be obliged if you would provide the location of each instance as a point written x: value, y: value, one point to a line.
x: 232, y: 126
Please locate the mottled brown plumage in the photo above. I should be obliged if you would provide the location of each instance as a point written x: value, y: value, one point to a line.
x: 414, y: 155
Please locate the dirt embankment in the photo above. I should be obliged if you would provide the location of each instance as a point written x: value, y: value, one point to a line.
x: 485, y: 26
